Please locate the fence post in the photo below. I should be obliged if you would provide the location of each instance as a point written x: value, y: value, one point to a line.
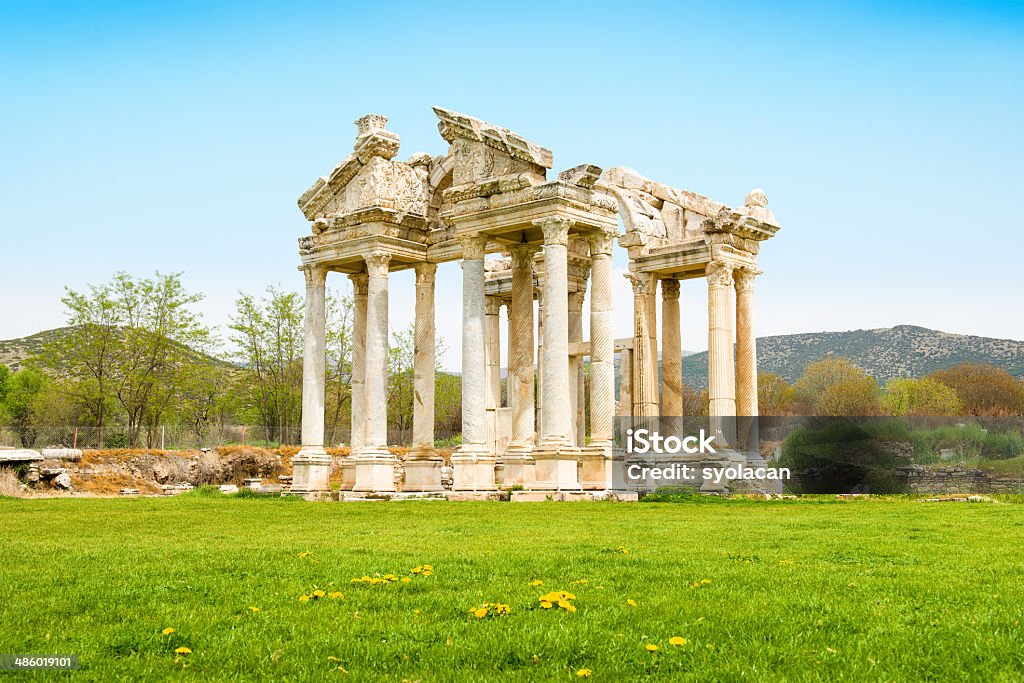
x: 74, y: 443
x: 162, y: 428
x: 243, y: 435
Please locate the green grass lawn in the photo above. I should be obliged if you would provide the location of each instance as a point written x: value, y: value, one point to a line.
x: 805, y: 590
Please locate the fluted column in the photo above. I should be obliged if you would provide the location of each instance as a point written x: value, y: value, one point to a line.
x: 596, y: 471
x: 645, y: 378
x: 473, y: 462
x: 375, y: 465
x: 746, y: 360
x: 577, y: 400
x: 671, y: 351
x: 312, y: 465
x: 519, y: 464
x: 721, y: 371
x: 423, y: 467
x: 358, y: 382
x: 556, y: 455
x: 492, y: 350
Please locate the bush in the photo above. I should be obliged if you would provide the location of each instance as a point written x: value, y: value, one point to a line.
x: 1003, y: 445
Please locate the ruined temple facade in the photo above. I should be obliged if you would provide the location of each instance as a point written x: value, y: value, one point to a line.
x: 491, y: 194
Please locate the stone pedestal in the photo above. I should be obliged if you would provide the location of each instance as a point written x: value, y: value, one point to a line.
x: 312, y: 466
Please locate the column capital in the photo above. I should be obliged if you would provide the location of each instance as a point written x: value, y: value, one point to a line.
x: 425, y: 273
x: 670, y: 290
x: 377, y: 263
x: 473, y: 247
x: 745, y: 278
x: 522, y: 254
x: 719, y: 274
x: 360, y: 283
x: 556, y: 230
x: 643, y: 283
x: 601, y: 242
x: 576, y: 302
x: 492, y: 305
x: 316, y: 276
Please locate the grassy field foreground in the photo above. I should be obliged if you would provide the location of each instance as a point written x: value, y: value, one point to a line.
x: 805, y: 590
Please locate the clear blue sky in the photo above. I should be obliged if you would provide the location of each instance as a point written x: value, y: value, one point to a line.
x: 177, y: 136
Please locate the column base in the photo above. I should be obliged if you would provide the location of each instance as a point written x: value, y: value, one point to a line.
x: 556, y: 468
x: 474, y: 468
x: 311, y: 471
x: 596, y: 473
x: 423, y: 471
x: 375, y: 471
x: 520, y: 467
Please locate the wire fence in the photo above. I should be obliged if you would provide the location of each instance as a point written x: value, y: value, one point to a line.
x: 182, y: 437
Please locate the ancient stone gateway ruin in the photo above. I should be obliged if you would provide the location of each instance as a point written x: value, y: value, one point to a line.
x: 489, y: 194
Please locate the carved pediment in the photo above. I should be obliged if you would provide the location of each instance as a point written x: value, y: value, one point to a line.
x: 369, y: 177
x: 483, y: 151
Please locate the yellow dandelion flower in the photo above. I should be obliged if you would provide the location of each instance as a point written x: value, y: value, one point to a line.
x: 406, y: 579
x: 254, y: 610
x: 536, y: 582
x: 651, y: 647
x: 502, y: 609
x: 584, y: 673
x: 567, y: 606
x: 581, y: 582
x: 183, y: 651
x: 631, y: 602
x: 705, y: 582
x: 678, y: 641
x: 428, y: 567
x: 335, y: 595
x: 167, y: 631
x: 417, y: 570
x: 319, y: 593
x: 303, y: 598
x: 480, y: 612
x: 545, y: 604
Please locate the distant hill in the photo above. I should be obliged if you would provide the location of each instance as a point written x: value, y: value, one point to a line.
x: 14, y: 352
x: 885, y: 353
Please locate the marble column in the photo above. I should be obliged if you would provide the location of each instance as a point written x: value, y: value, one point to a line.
x: 596, y: 472
x: 358, y: 381
x: 721, y: 372
x: 518, y: 459
x: 311, y: 465
x: 375, y: 465
x: 671, y: 351
x: 645, y: 378
x: 652, y: 343
x: 556, y: 455
x: 492, y: 350
x: 423, y: 466
x: 746, y: 360
x: 577, y: 400
x: 473, y: 462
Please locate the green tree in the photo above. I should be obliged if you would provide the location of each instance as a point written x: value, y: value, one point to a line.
x: 774, y: 395
x: 835, y: 386
x: 925, y: 396
x: 983, y: 389
x: 268, y: 336
x: 338, y: 405
x: 401, y: 384
x: 22, y: 389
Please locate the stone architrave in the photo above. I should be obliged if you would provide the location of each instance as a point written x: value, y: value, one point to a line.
x: 721, y: 372
x: 556, y: 455
x: 423, y: 466
x: 311, y: 465
x: 375, y: 464
x: 518, y: 459
x: 473, y: 461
